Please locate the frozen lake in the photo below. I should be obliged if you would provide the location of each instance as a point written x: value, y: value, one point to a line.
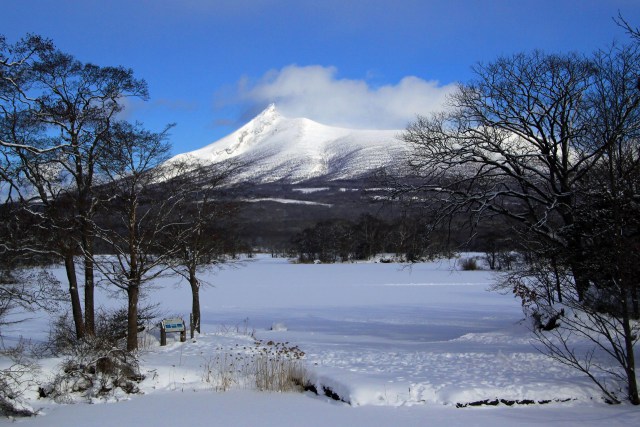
x: 417, y: 340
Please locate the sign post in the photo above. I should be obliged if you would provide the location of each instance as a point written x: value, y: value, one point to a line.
x: 175, y: 324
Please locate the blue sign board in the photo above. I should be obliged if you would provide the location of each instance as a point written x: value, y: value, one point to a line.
x: 173, y: 325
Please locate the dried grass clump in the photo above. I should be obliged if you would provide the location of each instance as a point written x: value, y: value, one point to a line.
x: 265, y: 366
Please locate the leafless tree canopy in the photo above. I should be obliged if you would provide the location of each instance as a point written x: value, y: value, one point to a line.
x: 550, y: 144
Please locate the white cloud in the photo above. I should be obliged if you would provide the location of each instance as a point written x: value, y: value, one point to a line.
x: 317, y: 93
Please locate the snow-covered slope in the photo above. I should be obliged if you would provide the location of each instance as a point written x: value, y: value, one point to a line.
x: 276, y: 148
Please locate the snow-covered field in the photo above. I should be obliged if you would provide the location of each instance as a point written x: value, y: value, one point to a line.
x: 401, y: 345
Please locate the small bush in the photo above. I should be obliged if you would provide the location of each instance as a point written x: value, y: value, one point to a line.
x: 94, y: 368
x: 508, y: 260
x: 112, y: 324
x: 468, y: 264
x: 62, y: 337
x: 13, y: 380
x: 111, y: 328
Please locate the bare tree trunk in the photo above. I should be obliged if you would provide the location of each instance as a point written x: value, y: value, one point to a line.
x: 133, y: 286
x: 577, y: 264
x: 195, y: 299
x: 76, y: 308
x: 133, y: 294
x: 89, y: 308
x: 554, y: 265
x: 632, y: 382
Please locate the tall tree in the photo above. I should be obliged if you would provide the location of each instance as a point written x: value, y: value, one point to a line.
x: 26, y: 151
x: 514, y: 142
x: 550, y: 142
x: 80, y: 101
x: 609, y: 209
x: 140, y: 212
x: 56, y: 112
x: 204, y: 226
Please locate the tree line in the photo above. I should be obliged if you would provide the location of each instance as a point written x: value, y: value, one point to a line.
x: 406, y: 238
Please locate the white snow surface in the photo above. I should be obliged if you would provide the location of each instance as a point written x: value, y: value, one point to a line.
x: 310, y: 190
x: 286, y: 201
x: 402, y: 345
x: 277, y: 148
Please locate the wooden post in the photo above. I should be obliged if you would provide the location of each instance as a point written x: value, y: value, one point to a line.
x: 183, y: 335
x: 163, y: 335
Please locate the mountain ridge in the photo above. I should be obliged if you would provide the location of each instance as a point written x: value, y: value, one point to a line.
x: 274, y: 148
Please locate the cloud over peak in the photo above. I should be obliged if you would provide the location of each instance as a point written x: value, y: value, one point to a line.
x: 316, y: 92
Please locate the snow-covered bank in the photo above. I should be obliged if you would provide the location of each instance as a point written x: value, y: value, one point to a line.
x: 249, y: 409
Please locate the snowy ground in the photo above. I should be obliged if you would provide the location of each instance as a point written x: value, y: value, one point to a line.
x: 402, y: 346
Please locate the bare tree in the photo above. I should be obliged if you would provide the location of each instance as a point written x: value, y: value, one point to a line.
x: 16, y: 81
x: 550, y: 143
x: 203, y: 226
x: 25, y: 157
x: 633, y: 32
x: 513, y: 143
x: 81, y: 101
x: 56, y: 112
x: 609, y: 209
x: 139, y: 213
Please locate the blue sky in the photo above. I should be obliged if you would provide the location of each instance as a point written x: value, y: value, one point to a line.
x: 211, y: 64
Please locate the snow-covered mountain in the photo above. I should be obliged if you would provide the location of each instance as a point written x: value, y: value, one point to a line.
x: 277, y: 148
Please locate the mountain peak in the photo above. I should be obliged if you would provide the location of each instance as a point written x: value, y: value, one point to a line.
x: 269, y: 114
x: 284, y: 149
